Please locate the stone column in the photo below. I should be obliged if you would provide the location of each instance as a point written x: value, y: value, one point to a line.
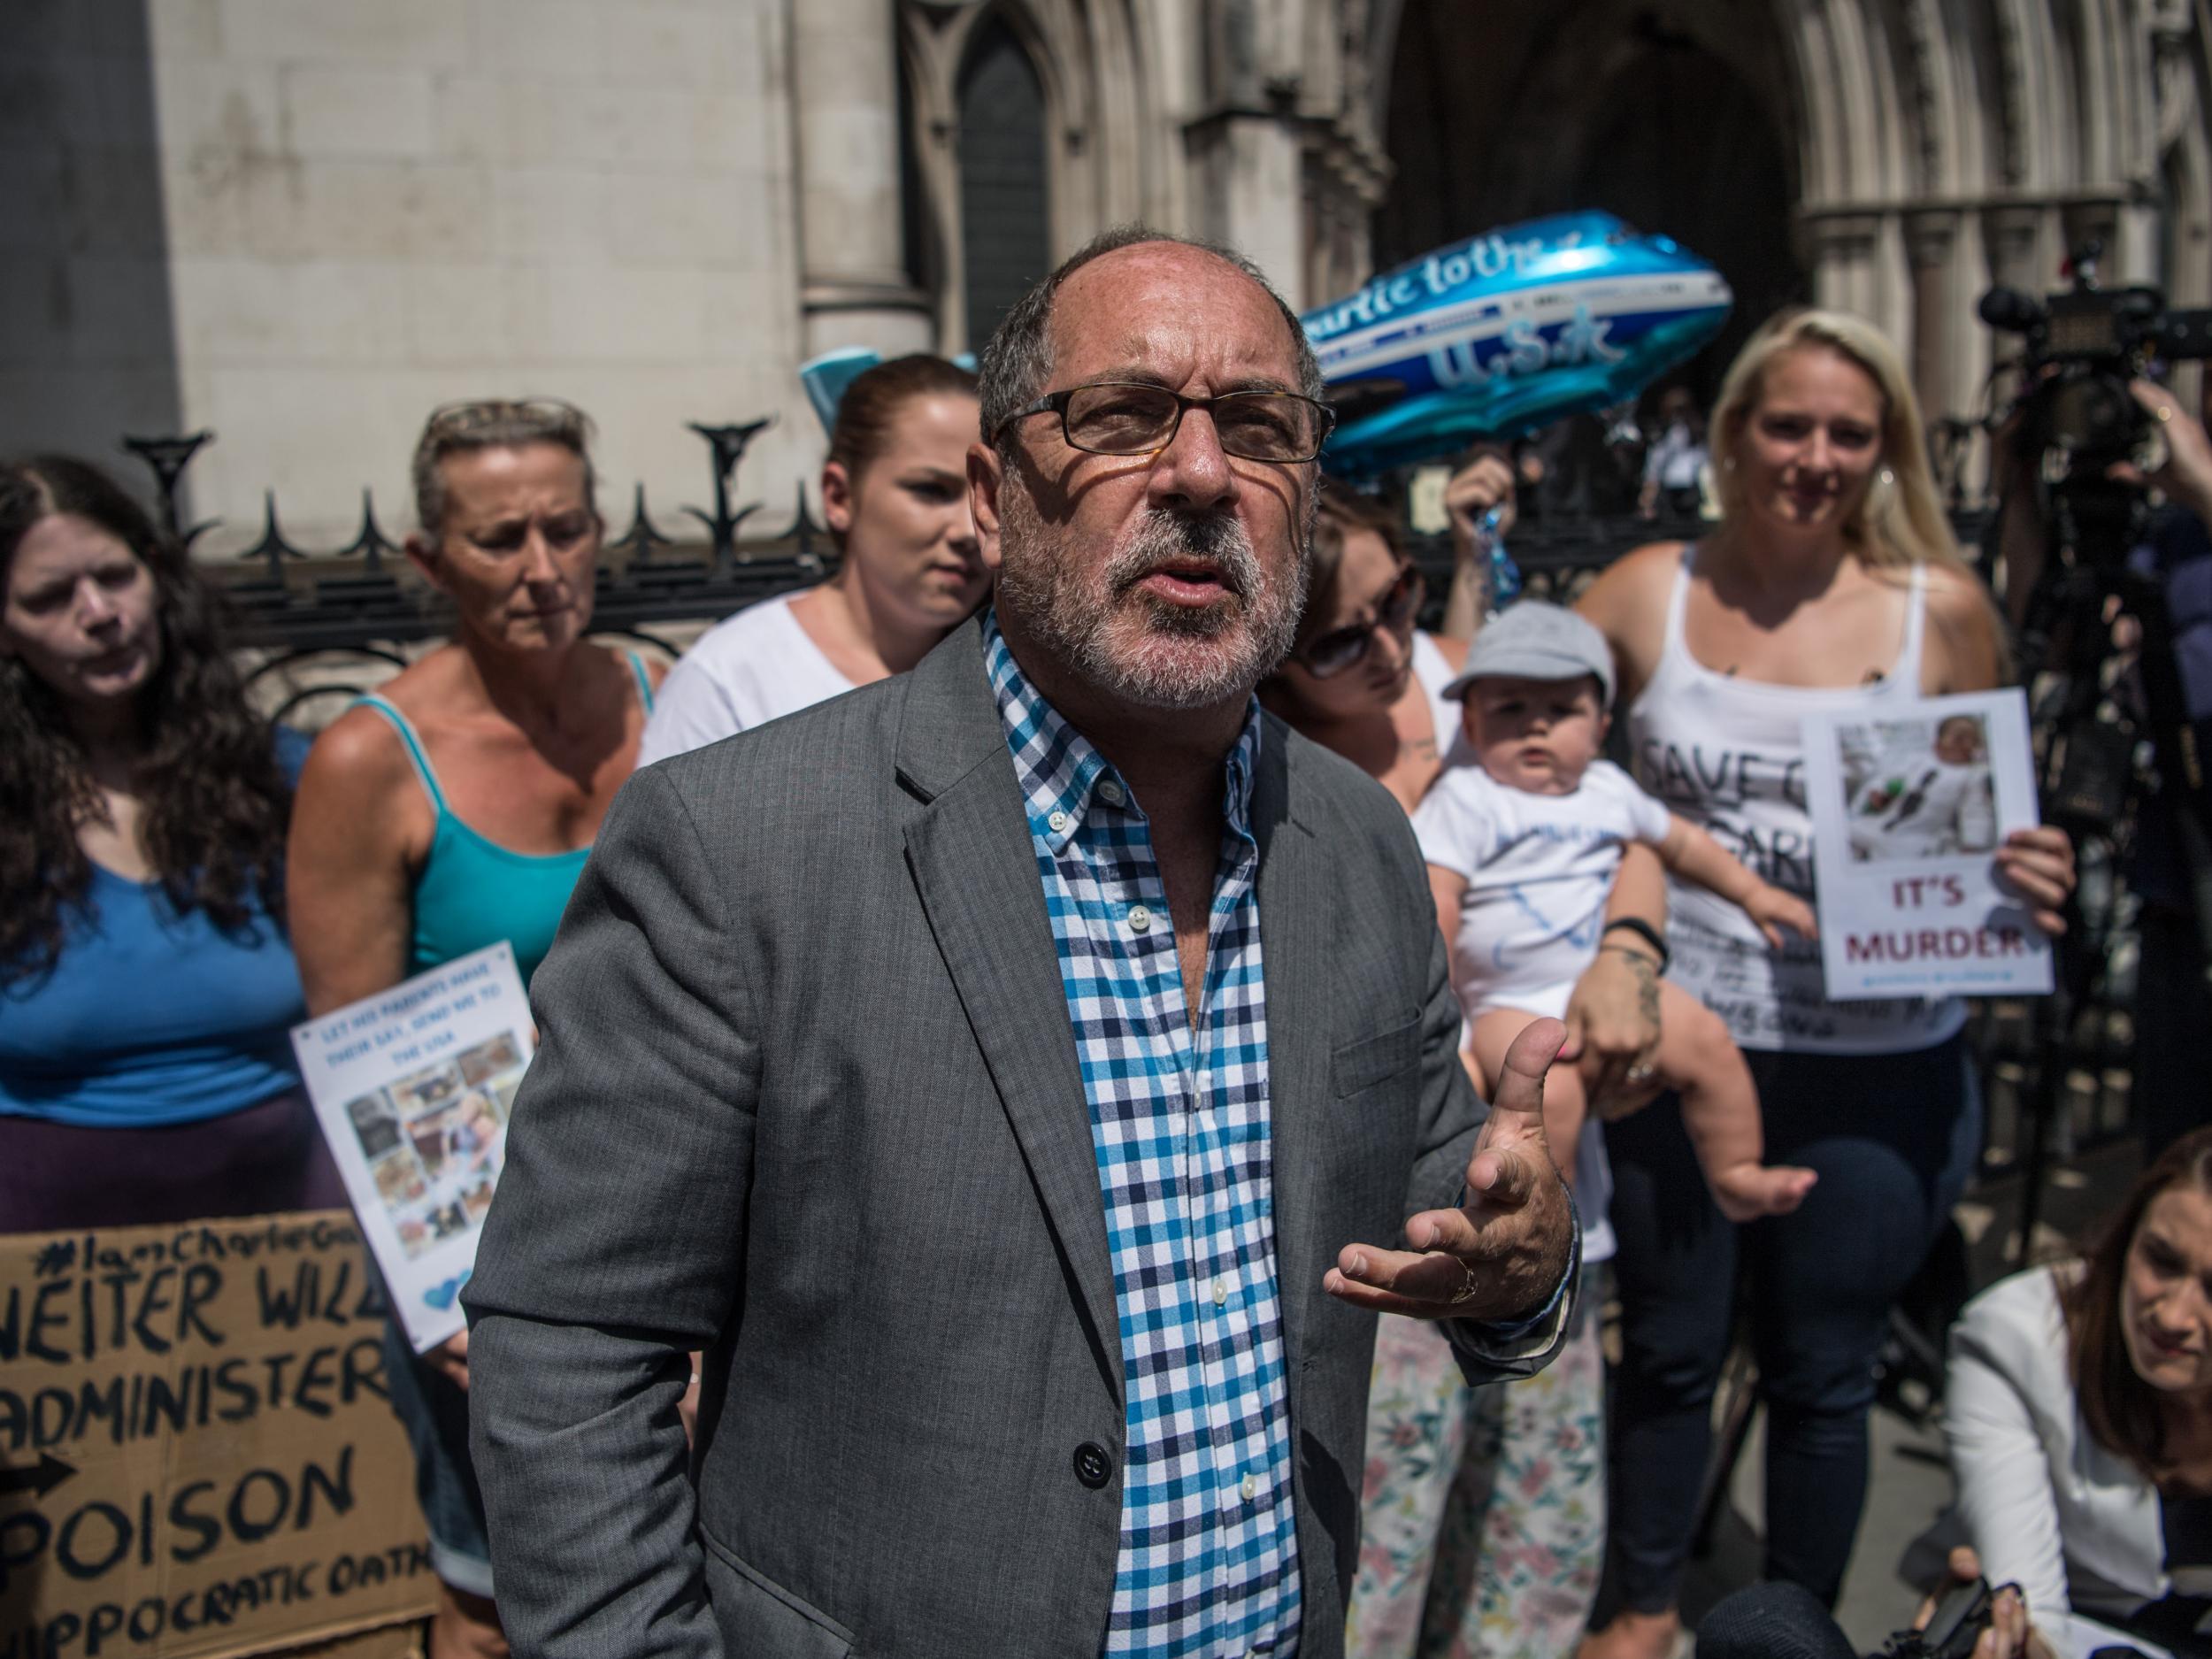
x: 1931, y: 243
x: 844, y: 73
x: 1845, y: 274
x: 2014, y: 235
x: 1251, y: 169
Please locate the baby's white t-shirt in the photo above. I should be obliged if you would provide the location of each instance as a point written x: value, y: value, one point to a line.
x: 746, y: 670
x: 1539, y: 870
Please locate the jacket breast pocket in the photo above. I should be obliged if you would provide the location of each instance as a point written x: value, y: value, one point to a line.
x: 1367, y: 1061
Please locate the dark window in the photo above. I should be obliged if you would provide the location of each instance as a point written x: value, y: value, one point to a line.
x: 918, y: 248
x: 1003, y: 208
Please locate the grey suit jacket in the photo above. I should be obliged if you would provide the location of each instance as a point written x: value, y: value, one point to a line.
x: 808, y: 1100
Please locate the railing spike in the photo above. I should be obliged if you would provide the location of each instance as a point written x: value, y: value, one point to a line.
x: 371, y: 544
x: 638, y: 542
x: 273, y: 547
x: 167, y: 457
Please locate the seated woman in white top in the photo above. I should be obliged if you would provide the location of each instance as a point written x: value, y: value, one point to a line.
x: 2079, y: 1417
x: 895, y: 491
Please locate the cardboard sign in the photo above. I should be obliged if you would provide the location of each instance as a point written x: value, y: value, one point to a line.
x: 196, y: 1456
x: 413, y: 1086
x: 1909, y: 807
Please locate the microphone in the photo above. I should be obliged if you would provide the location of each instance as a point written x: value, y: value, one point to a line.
x: 1771, y: 1621
x: 2010, y: 310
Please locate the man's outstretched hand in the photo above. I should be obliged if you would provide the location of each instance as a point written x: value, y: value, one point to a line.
x: 1500, y: 1256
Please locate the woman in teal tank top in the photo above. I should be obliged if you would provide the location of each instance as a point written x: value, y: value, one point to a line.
x: 455, y: 810
x: 470, y: 891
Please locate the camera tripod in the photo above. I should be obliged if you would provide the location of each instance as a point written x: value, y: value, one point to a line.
x: 2090, y: 783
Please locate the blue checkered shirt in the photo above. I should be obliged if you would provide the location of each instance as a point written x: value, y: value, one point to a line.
x: 1179, y: 1121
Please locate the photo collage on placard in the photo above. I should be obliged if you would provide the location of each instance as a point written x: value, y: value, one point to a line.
x: 435, y: 1139
x: 1917, y: 788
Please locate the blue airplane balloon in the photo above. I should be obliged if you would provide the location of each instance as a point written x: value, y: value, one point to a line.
x: 1505, y: 332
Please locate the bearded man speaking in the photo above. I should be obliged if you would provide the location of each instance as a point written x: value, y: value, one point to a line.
x: 1022, y: 1079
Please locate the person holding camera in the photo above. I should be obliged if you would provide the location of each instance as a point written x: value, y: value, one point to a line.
x: 2171, y: 1005
x: 2176, y: 554
x: 2080, y: 1420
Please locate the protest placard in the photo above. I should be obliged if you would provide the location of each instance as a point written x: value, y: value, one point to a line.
x: 412, y: 1087
x: 198, y: 1459
x: 1909, y: 807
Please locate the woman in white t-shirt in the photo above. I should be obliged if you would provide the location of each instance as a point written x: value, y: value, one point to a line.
x: 1830, y: 583
x: 895, y: 491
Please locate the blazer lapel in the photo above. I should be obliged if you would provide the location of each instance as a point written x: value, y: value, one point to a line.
x: 975, y: 870
x: 1295, y: 897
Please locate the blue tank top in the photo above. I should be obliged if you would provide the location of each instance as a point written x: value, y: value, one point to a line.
x: 473, y: 892
x: 150, y: 1017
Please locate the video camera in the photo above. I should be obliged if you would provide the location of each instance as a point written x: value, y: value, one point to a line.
x: 2084, y: 347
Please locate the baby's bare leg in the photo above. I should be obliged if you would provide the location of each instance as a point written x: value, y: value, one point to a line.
x: 1565, y: 1103
x: 1720, y: 1110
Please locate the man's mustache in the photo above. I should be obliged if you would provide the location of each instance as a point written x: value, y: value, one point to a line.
x: 1217, y: 544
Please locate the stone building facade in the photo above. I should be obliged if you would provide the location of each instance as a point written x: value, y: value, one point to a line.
x: 302, y: 223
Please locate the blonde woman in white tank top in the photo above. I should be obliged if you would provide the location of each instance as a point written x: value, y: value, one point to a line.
x: 1830, y: 581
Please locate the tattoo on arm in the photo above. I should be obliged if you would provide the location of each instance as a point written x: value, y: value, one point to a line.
x: 1646, y: 983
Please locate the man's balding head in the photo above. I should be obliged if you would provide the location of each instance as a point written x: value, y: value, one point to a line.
x: 1017, y: 364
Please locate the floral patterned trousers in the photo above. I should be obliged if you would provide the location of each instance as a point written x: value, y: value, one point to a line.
x: 1483, y: 1513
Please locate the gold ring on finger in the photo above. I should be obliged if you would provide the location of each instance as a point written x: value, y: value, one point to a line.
x: 1469, y: 1286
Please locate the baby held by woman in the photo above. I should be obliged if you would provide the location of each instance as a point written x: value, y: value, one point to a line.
x: 1522, y: 843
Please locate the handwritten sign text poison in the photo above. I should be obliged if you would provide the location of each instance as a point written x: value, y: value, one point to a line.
x: 198, y: 1456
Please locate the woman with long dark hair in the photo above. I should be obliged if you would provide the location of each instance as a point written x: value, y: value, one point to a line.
x: 2079, y: 1418
x: 147, y: 987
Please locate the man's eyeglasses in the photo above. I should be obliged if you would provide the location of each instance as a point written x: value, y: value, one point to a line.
x: 1328, y: 655
x: 1135, y: 418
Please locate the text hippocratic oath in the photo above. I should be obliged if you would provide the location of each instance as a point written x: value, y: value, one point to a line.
x: 198, y: 1459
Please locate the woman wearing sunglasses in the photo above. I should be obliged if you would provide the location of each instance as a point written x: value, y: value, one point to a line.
x: 1443, y: 1460
x: 1361, y: 678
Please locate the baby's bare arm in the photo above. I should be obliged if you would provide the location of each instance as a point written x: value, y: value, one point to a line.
x: 1693, y: 855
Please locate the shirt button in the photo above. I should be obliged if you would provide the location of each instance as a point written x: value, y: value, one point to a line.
x: 1221, y: 1293
x: 1139, y: 918
x: 1059, y: 822
x: 1093, y: 1467
x: 1247, y: 1488
x: 1112, y: 792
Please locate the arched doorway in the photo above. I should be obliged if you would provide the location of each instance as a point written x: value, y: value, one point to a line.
x: 1677, y: 118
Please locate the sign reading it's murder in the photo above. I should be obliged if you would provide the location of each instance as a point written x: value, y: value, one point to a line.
x: 196, y: 1455
x: 1909, y: 804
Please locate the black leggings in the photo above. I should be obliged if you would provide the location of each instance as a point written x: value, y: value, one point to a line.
x: 1893, y: 1137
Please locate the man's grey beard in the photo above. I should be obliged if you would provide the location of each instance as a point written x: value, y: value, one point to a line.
x: 1126, y: 645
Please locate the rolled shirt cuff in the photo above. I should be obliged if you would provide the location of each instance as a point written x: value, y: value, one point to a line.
x: 1517, y: 1341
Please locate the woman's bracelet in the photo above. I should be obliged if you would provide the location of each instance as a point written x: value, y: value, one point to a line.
x: 1644, y: 931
